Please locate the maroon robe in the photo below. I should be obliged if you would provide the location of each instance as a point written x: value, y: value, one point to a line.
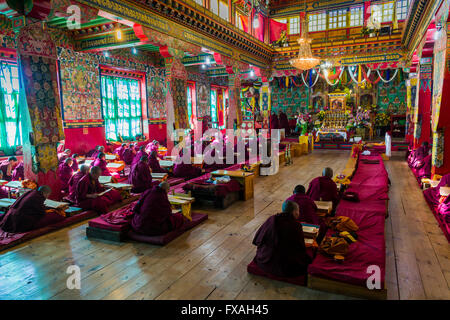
x: 425, y: 170
x: 64, y: 173
x: 307, y: 208
x: 90, y: 153
x: 281, y: 247
x: 432, y: 195
x: 95, y: 154
x: 138, y: 157
x: 100, y: 204
x: 119, y: 151
x: 153, y: 214
x: 75, y: 165
x: 323, y: 189
x: 18, y: 173
x: 154, y: 165
x: 72, y: 184
x: 128, y: 156
x: 102, y: 164
x: 185, y: 170
x: 274, y: 124
x: 140, y: 177
x: 284, y: 123
x: 26, y: 214
x: 4, y: 168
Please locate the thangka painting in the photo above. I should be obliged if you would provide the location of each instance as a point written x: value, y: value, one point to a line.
x: 438, y: 149
x: 180, y: 103
x: 80, y: 85
x: 157, y: 90
x: 203, y: 93
x: 292, y: 101
x: 392, y: 98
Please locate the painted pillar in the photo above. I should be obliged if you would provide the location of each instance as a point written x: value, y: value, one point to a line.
x: 422, y: 130
x: 40, y: 103
x: 234, y: 105
x: 265, y: 102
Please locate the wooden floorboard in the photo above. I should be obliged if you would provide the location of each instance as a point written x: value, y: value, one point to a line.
x: 210, y: 261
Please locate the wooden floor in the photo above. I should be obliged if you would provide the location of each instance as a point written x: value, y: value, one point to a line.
x: 209, y: 262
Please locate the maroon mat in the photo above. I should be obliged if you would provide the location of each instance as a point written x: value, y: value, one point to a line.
x: 254, y: 269
x: 197, y: 218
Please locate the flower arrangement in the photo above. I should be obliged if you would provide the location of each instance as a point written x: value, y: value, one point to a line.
x: 321, y: 115
x: 382, y: 119
x: 362, y: 118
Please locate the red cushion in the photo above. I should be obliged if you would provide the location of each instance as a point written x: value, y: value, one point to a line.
x: 197, y: 218
x: 102, y: 224
x: 174, y: 181
x: 254, y: 269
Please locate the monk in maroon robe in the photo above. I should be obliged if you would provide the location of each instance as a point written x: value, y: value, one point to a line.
x: 7, y: 167
x: 127, y: 156
x: 63, y: 155
x: 18, y: 173
x: 28, y: 212
x: 90, y: 153
x: 186, y: 170
x: 154, y: 163
x: 284, y: 122
x: 65, y: 172
x: 119, y: 151
x: 324, y: 188
x: 87, y: 193
x: 153, y: 213
x: 308, y: 208
x: 139, y: 155
x: 419, y: 154
x: 274, y: 124
x: 75, y: 162
x: 424, y: 171
x: 100, y: 149
x: 73, y: 182
x: 140, y: 176
x: 102, y: 164
x: 281, y: 244
x: 432, y: 195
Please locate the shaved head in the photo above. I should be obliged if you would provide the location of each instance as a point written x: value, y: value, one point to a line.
x: 165, y: 186
x: 291, y: 208
x: 84, y: 168
x: 96, y: 171
x: 327, y: 172
x: 45, y: 190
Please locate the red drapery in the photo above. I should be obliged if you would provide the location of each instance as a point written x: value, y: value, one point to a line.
x: 275, y: 29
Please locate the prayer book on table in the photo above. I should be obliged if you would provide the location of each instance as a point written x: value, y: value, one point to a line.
x: 14, y: 184
x: 119, y: 185
x: 104, y: 179
x: 114, y: 165
x: 6, y: 202
x: 434, y: 183
x: 56, y: 204
x: 310, y: 230
x: 110, y: 157
x: 102, y: 193
x: 166, y: 163
x: 158, y: 175
x: 176, y: 210
x: 445, y: 191
x: 325, y: 206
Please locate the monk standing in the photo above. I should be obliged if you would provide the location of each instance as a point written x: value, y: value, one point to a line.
x: 7, y: 167
x: 140, y: 176
x: 306, y: 205
x: 84, y: 169
x: 28, y: 212
x: 65, y: 172
x: 281, y: 244
x: 87, y: 193
x: 153, y: 213
x: 324, y: 188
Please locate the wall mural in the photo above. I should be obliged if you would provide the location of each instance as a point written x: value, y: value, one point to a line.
x: 203, y: 93
x: 291, y: 100
x: 156, y: 93
x: 392, y: 98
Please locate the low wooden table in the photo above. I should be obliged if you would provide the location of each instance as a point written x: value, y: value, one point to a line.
x: 159, y: 176
x: 184, y: 202
x: 324, y: 208
x: 244, y: 178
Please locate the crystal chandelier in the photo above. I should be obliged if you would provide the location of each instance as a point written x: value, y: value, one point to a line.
x: 305, y: 59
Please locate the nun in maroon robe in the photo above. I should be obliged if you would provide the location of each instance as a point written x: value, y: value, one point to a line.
x: 18, y: 173
x: 432, y: 195
x: 139, y: 155
x: 65, y: 172
x: 28, y: 212
x: 152, y: 215
x: 87, y: 190
x: 284, y: 122
x: 154, y: 163
x: 281, y: 244
x: 102, y: 164
x: 140, y: 176
x: 308, y: 208
x: 73, y: 182
x: 324, y: 188
x: 274, y: 124
x: 7, y: 167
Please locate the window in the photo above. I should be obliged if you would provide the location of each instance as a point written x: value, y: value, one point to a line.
x: 383, y: 12
x: 199, y: 2
x: 9, y: 108
x: 122, y: 109
x: 220, y: 8
x: 402, y: 9
x: 356, y: 16
x: 213, y: 108
x: 317, y: 22
x: 337, y: 19
x: 294, y: 25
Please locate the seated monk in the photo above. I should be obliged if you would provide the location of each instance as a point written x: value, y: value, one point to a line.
x: 87, y: 190
x: 100, y: 149
x: 28, y: 212
x: 324, y: 188
x: 102, y: 164
x: 424, y: 171
x: 140, y: 176
x: 154, y: 163
x: 18, y: 173
x: 73, y: 181
x: 432, y: 195
x: 139, y: 155
x: 119, y: 151
x: 3, y: 190
x: 127, y: 156
x: 75, y: 162
x: 306, y: 205
x: 419, y: 154
x: 90, y: 153
x: 152, y: 146
x: 63, y: 155
x: 153, y: 213
x: 7, y: 167
x: 186, y: 170
x: 65, y: 172
x: 281, y: 244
